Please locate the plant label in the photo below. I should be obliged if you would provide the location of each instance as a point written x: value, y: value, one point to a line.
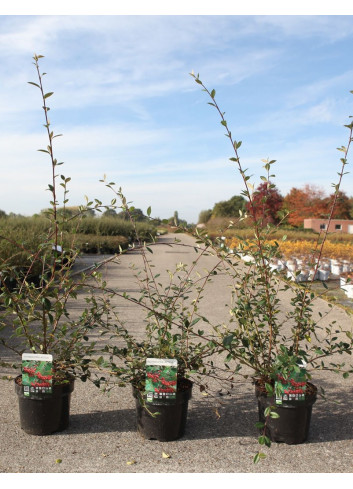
x: 37, y: 374
x: 161, y: 380
x: 291, y: 388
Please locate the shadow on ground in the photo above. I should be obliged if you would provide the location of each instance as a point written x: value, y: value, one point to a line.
x: 235, y: 418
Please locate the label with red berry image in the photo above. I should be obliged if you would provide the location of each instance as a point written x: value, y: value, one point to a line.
x: 291, y: 388
x: 161, y: 380
x: 37, y: 374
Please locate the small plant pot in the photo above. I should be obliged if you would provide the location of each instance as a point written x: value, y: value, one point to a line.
x: 170, y: 423
x: 302, y: 276
x: 346, y: 266
x: 292, y: 426
x: 292, y: 267
x: 323, y: 274
x: 336, y: 269
x: 347, y: 287
x: 45, y: 414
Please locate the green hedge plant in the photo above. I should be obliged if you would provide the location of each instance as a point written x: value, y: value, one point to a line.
x: 257, y: 338
x: 35, y: 294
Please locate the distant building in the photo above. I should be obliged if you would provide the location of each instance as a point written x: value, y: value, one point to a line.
x: 336, y: 225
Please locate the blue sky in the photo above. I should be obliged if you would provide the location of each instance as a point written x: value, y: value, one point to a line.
x: 128, y: 108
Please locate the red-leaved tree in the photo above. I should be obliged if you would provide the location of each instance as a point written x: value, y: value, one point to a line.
x: 267, y: 201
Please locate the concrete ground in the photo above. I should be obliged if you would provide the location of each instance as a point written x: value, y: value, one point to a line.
x: 102, y: 436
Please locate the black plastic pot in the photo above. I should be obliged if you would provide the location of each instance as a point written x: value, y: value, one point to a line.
x: 170, y: 423
x: 292, y: 426
x: 45, y: 413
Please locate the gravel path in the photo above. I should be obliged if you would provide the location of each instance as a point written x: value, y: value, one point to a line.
x: 102, y: 436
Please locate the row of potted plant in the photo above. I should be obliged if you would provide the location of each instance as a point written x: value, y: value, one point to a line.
x: 253, y: 341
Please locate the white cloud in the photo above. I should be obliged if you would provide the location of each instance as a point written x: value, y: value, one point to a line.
x: 312, y: 160
x: 188, y: 188
x: 119, y: 59
x: 340, y: 83
x: 326, y: 27
x: 90, y: 152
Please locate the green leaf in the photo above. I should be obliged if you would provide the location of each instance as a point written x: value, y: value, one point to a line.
x: 35, y: 84
x: 194, y: 322
x: 149, y: 211
x: 227, y: 341
x: 213, y: 93
x: 46, y: 303
x: 259, y: 456
x: 49, y: 94
x: 267, y: 441
x: 267, y: 411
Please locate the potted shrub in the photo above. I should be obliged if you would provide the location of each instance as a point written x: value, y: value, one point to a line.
x: 34, y: 316
x: 277, y: 354
x: 170, y: 354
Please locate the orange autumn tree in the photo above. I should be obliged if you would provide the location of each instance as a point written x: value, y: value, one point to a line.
x: 307, y: 202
